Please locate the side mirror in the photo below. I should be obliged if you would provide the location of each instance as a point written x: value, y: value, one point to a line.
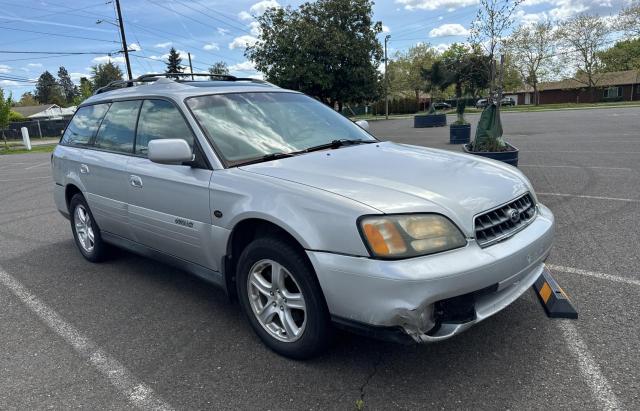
x: 169, y: 151
x: 363, y: 124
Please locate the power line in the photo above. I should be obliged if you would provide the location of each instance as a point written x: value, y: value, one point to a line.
x: 57, y: 35
x: 213, y: 18
x: 54, y: 52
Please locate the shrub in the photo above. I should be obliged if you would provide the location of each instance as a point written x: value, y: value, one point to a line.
x: 15, y: 116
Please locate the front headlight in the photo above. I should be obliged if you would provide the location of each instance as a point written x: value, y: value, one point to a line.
x: 404, y: 236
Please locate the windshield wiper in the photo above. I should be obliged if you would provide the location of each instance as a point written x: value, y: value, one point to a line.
x: 336, y: 144
x: 268, y: 157
x: 325, y: 146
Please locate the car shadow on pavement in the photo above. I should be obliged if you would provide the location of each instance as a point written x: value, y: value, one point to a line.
x: 181, y: 333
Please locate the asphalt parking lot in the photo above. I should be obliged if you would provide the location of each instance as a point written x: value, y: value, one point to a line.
x: 132, y: 332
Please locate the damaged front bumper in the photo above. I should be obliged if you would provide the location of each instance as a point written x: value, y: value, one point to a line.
x: 434, y: 297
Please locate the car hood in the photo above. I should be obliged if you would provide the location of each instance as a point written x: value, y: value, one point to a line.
x: 398, y: 178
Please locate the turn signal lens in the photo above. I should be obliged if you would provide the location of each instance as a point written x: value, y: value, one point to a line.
x: 403, y: 236
x: 384, y: 237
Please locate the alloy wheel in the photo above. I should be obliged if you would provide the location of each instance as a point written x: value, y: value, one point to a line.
x: 84, y: 229
x: 276, y: 300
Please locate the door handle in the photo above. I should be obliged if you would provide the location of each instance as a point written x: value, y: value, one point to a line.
x: 135, y: 181
x: 84, y: 169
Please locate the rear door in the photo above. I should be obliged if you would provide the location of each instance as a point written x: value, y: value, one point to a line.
x: 169, y: 204
x: 107, y: 167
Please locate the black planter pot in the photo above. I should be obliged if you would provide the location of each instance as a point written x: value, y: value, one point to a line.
x: 459, y: 133
x: 430, y: 120
x: 509, y: 157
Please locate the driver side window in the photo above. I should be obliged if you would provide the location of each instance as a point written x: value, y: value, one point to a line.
x: 160, y: 119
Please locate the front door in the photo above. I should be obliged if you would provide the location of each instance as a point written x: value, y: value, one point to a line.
x: 169, y: 204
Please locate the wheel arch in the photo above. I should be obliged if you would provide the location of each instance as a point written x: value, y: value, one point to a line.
x: 69, y: 191
x: 242, y: 234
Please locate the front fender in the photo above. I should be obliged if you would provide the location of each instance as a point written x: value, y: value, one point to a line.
x: 317, y: 219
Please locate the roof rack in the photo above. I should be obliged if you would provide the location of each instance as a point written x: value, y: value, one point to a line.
x: 178, y: 77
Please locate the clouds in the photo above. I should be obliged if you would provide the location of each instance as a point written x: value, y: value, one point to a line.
x: 244, y: 66
x: 447, y: 30
x: 163, y: 45
x: 243, y: 42
x: 436, y: 4
x: 211, y: 46
x: 221, y: 31
x: 4, y: 69
x: 183, y: 55
x: 134, y: 47
x: 106, y: 59
x: 386, y: 29
x: 254, y: 27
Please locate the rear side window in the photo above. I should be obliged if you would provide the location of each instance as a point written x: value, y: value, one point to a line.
x: 118, y: 127
x: 84, y: 124
x: 160, y: 119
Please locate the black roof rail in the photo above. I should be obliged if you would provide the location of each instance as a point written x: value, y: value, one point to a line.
x: 179, y: 77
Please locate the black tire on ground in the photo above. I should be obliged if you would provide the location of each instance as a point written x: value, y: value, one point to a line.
x: 318, y: 330
x: 100, y: 248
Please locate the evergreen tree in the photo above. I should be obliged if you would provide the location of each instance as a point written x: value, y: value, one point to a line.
x: 174, y: 62
x: 103, y: 74
x: 48, y: 91
x: 68, y: 88
x: 85, y: 91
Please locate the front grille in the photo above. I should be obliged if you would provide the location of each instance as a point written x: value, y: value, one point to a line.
x: 504, y: 221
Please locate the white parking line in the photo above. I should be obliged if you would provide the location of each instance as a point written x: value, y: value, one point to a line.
x: 600, y: 388
x: 594, y: 274
x: 629, y: 200
x: 38, y: 165
x: 137, y: 393
x: 580, y: 151
x: 590, y: 167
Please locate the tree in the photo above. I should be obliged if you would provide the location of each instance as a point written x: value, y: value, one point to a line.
x: 630, y: 19
x: 327, y: 49
x: 624, y: 55
x: 27, y: 99
x: 85, y: 91
x: 219, y: 67
x: 5, y: 109
x: 103, y: 74
x: 531, y: 52
x: 465, y: 68
x: 174, y: 62
x: 48, y: 90
x: 585, y: 35
x: 69, y: 89
x: 405, y: 71
x: 493, y: 19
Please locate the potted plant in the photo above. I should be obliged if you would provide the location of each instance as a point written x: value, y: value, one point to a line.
x: 460, y: 130
x: 431, y: 119
x: 488, y: 141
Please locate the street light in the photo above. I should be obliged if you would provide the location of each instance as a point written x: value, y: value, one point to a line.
x: 386, y: 79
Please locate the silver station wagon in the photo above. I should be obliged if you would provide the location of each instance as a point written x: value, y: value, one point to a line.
x: 298, y: 213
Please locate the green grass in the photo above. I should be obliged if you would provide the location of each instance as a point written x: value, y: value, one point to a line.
x: 20, y: 149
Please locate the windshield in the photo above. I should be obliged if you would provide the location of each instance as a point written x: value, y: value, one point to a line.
x: 246, y: 126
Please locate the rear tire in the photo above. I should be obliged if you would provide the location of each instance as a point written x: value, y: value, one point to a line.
x: 282, y: 298
x: 86, y: 232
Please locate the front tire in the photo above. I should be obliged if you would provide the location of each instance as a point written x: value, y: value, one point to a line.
x: 282, y: 299
x: 86, y: 232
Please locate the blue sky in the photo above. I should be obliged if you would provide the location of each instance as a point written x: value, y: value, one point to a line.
x: 212, y: 30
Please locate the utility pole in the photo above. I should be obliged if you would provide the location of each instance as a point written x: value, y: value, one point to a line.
x: 190, y: 66
x: 386, y: 79
x: 125, y: 47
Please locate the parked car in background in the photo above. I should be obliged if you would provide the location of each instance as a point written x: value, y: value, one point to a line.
x: 441, y: 105
x: 507, y: 101
x: 298, y: 213
x: 482, y: 103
